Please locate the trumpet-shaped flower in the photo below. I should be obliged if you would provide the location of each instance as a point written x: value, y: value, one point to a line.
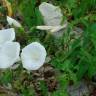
x: 9, y: 54
x: 33, y: 56
x: 14, y: 22
x: 52, y: 14
x: 7, y: 35
x: 52, y: 19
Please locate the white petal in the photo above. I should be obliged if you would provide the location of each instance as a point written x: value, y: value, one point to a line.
x: 9, y: 54
x: 7, y: 35
x: 52, y: 28
x: 12, y: 21
x: 52, y: 14
x: 33, y: 56
x: 44, y: 27
x: 58, y: 28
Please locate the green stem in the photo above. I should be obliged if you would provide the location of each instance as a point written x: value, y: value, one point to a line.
x: 47, y: 36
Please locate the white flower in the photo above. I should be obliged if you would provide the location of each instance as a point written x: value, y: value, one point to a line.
x: 12, y: 21
x: 6, y: 35
x: 52, y: 19
x: 9, y: 51
x: 33, y: 56
x: 52, y: 14
x: 9, y: 54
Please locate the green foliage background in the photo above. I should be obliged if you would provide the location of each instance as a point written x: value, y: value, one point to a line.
x: 73, y: 63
